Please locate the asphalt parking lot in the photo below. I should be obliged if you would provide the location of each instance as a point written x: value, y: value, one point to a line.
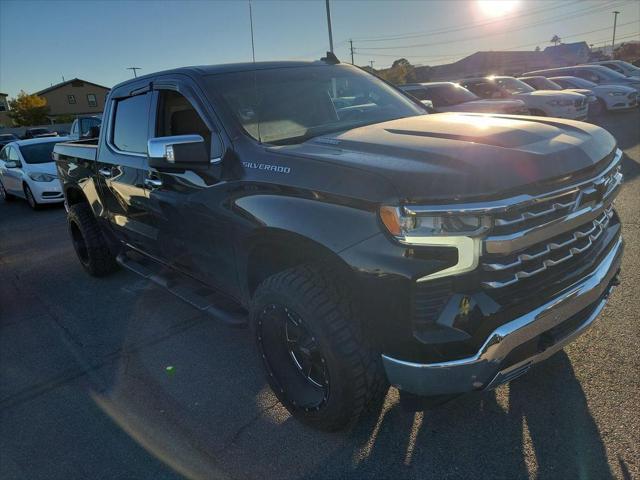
x: 116, y: 379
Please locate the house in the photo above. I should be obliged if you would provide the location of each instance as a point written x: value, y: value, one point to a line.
x: 74, y: 97
x: 5, y: 121
x: 507, y: 62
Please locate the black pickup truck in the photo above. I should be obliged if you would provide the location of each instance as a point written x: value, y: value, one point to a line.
x: 364, y: 241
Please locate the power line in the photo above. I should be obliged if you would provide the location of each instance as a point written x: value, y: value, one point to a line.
x: 583, y: 13
x: 396, y: 55
x: 467, y: 26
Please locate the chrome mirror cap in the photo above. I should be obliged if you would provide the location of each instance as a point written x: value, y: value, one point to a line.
x: 162, y: 147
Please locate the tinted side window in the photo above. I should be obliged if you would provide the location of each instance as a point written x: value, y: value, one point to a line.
x: 3, y: 153
x: 130, y: 127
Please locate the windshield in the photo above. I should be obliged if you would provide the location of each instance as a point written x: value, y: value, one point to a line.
x: 513, y: 85
x: 575, y: 82
x: 447, y: 95
x: 605, y: 72
x: 37, y: 153
x: 290, y: 105
x: 542, y: 83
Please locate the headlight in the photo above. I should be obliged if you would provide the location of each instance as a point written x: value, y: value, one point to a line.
x: 461, y: 232
x: 617, y: 94
x: 42, y: 177
x: 560, y: 103
x: 403, y: 226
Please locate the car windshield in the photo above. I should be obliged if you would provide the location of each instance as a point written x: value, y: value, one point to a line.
x: 38, y: 152
x: 291, y: 105
x: 513, y: 85
x: 605, y: 72
x: 575, y: 82
x: 447, y: 95
x: 542, y: 83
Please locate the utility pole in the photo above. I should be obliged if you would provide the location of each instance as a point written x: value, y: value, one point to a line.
x: 253, y: 48
x: 351, y: 43
x: 371, y: 62
x: 329, y: 25
x: 615, y: 20
x: 135, y: 69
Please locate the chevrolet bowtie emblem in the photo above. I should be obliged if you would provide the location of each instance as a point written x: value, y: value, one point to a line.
x: 465, y: 306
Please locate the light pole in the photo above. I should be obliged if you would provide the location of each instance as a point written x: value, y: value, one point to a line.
x: 371, y: 62
x: 329, y: 26
x: 135, y: 69
x: 615, y: 20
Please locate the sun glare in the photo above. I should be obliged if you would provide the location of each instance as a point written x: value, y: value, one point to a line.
x: 497, y: 8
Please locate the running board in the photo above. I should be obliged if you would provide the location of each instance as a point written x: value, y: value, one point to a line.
x: 186, y: 288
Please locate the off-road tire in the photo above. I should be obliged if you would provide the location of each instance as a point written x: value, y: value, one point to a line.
x: 88, y: 241
x: 323, y: 301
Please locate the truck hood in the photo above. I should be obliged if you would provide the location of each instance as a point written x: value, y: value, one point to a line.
x: 455, y: 156
x: 485, y: 106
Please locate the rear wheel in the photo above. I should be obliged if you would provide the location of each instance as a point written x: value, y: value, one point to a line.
x: 88, y: 241
x: 31, y: 200
x: 317, y: 361
x: 7, y: 197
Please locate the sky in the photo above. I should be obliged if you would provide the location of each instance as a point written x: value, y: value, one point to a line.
x: 42, y: 42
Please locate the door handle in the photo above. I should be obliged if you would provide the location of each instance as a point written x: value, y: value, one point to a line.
x: 153, y: 182
x: 105, y: 172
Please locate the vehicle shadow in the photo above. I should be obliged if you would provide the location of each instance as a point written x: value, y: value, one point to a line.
x: 212, y: 416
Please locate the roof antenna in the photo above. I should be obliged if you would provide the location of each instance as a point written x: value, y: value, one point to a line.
x: 255, y: 74
x: 330, y: 59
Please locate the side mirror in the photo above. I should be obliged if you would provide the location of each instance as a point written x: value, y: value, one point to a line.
x: 428, y: 104
x: 13, y: 164
x: 178, y: 151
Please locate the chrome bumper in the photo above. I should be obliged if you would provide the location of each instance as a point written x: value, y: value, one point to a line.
x: 484, y: 370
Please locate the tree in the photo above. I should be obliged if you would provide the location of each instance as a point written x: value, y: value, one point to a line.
x: 555, y: 40
x: 28, y: 109
x: 629, y: 52
x: 538, y: 48
x: 401, y: 71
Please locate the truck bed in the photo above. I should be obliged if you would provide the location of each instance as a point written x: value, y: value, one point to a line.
x: 80, y: 149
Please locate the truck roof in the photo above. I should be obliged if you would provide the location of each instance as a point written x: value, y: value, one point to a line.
x: 199, y: 70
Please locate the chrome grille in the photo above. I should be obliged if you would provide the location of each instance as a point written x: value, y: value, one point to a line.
x: 559, y: 205
x: 539, y: 258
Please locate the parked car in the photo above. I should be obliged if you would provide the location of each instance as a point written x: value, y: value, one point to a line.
x: 38, y: 132
x: 27, y: 170
x: 85, y: 127
x: 365, y: 245
x: 543, y: 83
x: 451, y: 97
x: 610, y: 97
x: 549, y: 103
x: 594, y: 73
x: 620, y: 66
x: 7, y: 138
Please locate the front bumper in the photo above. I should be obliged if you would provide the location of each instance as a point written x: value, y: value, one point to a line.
x: 493, y: 365
x: 47, y: 192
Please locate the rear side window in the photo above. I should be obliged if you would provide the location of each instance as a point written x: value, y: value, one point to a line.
x: 130, y: 127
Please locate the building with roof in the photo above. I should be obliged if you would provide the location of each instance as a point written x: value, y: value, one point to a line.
x: 74, y: 97
x: 5, y: 121
x: 507, y: 62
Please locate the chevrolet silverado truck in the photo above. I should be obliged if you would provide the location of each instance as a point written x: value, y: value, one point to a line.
x: 365, y: 242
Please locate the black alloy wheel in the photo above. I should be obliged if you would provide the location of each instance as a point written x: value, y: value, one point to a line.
x: 293, y: 358
x: 31, y: 200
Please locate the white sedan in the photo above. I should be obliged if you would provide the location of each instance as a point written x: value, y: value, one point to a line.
x: 610, y: 97
x: 27, y: 170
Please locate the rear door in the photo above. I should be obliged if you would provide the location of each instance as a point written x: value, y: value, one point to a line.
x: 122, y: 170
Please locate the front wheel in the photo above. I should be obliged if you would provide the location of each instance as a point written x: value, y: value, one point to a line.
x: 318, y: 363
x: 31, y: 200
